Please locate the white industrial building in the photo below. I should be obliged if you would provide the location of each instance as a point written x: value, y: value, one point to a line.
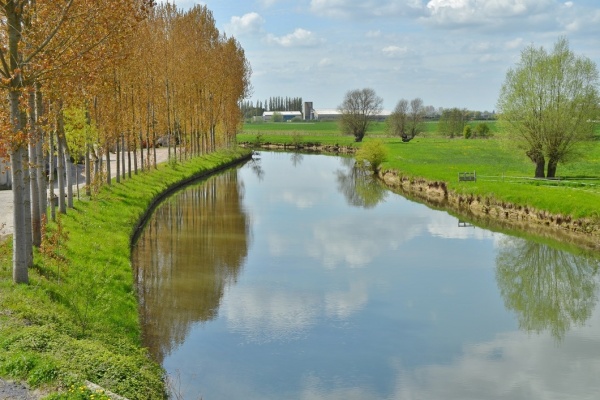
x: 287, y: 115
x: 332, y: 114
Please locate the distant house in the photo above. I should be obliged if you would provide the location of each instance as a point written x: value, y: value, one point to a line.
x: 5, y: 176
x: 287, y: 115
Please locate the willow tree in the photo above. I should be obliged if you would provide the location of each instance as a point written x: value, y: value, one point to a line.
x: 547, y: 104
x: 358, y: 110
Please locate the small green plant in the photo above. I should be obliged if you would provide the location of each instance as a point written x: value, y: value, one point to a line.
x: 372, y: 154
x: 258, y: 139
x: 81, y: 392
x: 467, y: 131
x: 53, y: 243
x: 297, y: 139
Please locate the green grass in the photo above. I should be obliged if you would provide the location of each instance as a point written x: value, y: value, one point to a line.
x: 503, y: 172
x: 78, y: 319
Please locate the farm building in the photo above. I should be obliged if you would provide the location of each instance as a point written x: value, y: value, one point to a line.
x: 287, y: 115
x: 331, y: 114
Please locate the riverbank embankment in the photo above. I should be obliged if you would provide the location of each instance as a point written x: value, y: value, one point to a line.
x: 486, y: 210
x: 489, y: 211
x: 78, y: 318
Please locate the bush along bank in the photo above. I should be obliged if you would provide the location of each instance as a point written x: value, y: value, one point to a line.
x: 77, y: 320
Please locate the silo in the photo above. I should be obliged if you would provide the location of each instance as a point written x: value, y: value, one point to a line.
x: 308, y: 111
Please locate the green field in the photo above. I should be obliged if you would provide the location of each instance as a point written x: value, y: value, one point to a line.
x: 502, y: 171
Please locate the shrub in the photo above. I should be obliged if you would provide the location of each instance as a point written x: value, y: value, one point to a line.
x: 277, y: 117
x: 372, y: 154
x: 482, y: 129
x: 467, y: 131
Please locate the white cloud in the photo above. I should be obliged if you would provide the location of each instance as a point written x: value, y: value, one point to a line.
x: 373, y: 34
x: 299, y: 38
x: 263, y: 316
x: 394, y: 51
x: 246, y: 24
x: 359, y: 9
x: 514, y: 44
x: 489, y: 13
x: 325, y: 62
x: 268, y: 3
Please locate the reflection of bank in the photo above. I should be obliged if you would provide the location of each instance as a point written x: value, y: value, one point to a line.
x: 549, y: 289
x: 192, y: 247
x: 359, y: 186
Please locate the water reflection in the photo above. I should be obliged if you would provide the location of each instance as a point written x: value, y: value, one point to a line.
x: 193, y: 247
x: 359, y: 186
x: 548, y: 288
x: 296, y: 159
x: 256, y: 166
x: 339, y: 296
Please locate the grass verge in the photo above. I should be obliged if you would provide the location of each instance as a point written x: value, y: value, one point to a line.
x: 77, y: 320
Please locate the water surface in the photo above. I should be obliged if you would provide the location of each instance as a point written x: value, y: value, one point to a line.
x: 298, y: 277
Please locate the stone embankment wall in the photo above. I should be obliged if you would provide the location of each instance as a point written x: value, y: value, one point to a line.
x: 583, y: 232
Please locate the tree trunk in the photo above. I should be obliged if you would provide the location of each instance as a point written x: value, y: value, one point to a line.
x: 20, y: 272
x: 118, y: 157
x: 42, y: 161
x: 552, y: 165
x: 69, y: 172
x: 21, y: 242
x: 88, y: 166
x: 108, y: 172
x: 28, y: 238
x: 36, y: 220
x: 62, y: 206
x: 123, y: 169
x: 537, y: 157
x: 52, y: 168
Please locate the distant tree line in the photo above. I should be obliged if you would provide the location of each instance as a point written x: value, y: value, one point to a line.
x: 251, y: 109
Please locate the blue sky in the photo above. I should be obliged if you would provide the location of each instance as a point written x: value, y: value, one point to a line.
x: 450, y: 53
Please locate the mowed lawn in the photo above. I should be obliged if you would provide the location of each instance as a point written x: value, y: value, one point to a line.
x: 503, y: 172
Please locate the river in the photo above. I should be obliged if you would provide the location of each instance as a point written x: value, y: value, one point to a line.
x: 299, y: 277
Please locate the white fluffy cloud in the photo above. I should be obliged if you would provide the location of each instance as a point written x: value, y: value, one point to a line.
x: 491, y: 13
x: 299, y: 38
x: 364, y: 8
x: 246, y: 24
x: 394, y: 51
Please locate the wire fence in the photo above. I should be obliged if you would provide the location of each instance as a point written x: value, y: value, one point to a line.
x: 591, y: 184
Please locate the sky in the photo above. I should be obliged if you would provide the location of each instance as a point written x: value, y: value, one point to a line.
x: 450, y: 53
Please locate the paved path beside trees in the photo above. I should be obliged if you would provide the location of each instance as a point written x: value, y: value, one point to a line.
x: 6, y: 197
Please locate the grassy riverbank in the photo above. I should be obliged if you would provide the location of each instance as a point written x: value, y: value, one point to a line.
x: 77, y: 320
x: 503, y: 173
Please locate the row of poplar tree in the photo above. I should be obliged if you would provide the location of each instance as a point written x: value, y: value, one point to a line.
x: 276, y: 103
x: 117, y: 74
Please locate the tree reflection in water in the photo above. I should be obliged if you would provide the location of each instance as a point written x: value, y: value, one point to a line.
x: 296, y: 159
x: 359, y: 186
x: 192, y: 247
x: 549, y: 289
